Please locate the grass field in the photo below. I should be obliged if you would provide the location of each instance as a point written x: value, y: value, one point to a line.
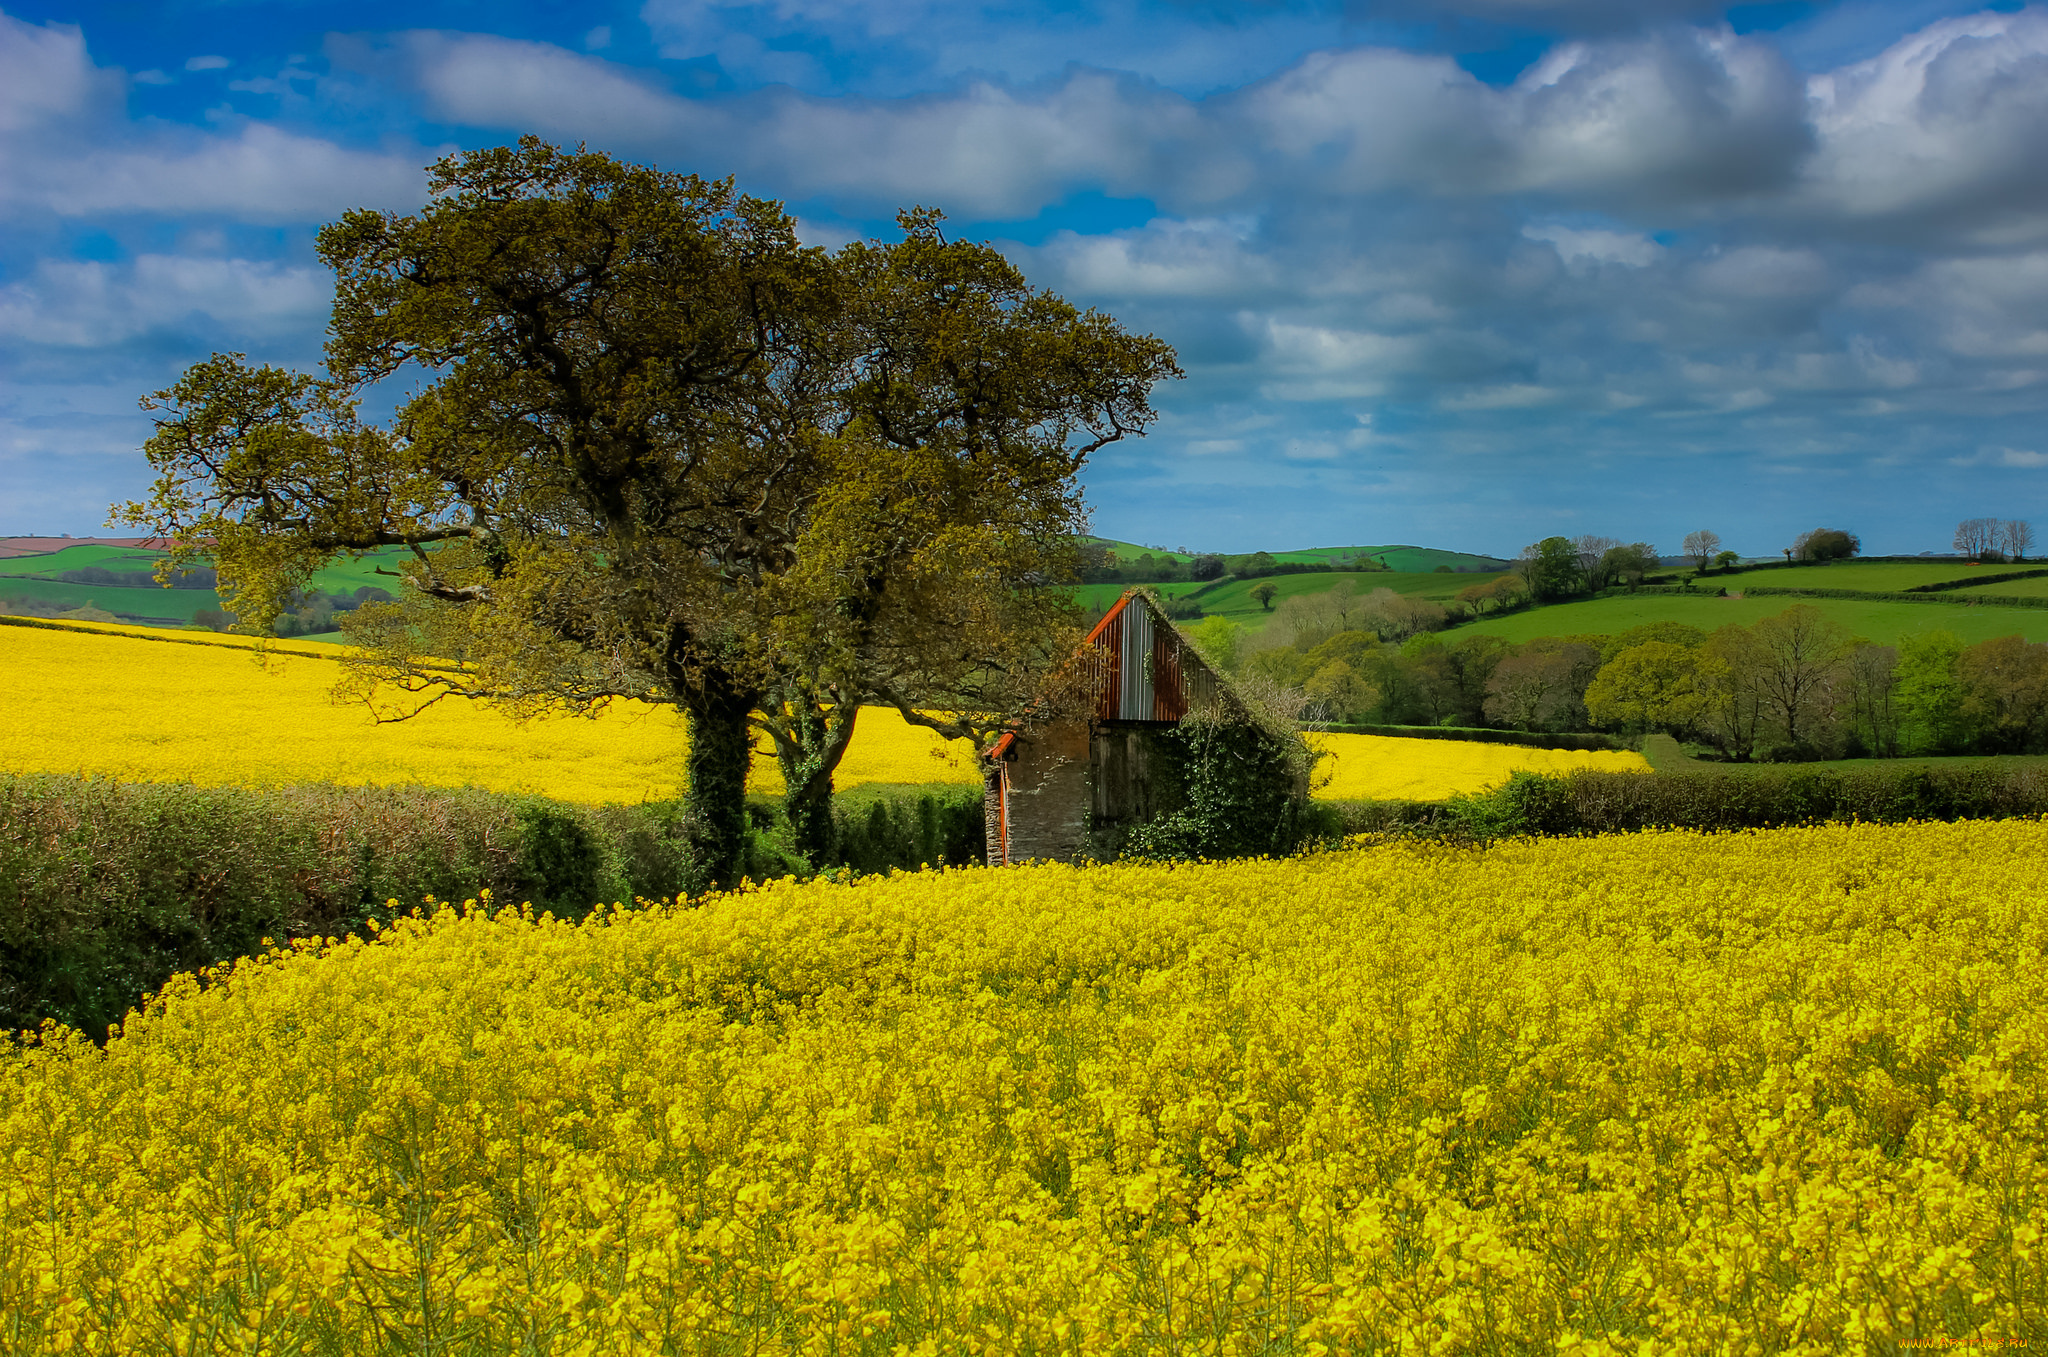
x: 2033, y: 588
x: 19, y: 578
x: 1234, y: 601
x: 1884, y: 623
x: 1876, y: 576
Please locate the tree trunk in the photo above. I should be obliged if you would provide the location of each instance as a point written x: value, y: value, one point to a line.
x: 810, y: 754
x: 717, y: 765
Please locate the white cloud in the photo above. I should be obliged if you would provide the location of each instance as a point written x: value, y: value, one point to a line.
x: 62, y: 151
x: 44, y: 73
x: 1944, y: 124
x: 1206, y: 258
x: 208, y: 63
x: 2023, y: 458
x: 1598, y: 246
x: 89, y: 304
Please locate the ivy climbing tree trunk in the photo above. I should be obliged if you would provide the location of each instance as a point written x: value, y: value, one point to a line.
x: 720, y: 749
x: 810, y: 740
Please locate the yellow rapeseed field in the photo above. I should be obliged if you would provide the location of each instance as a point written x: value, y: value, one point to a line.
x: 1777, y: 1092
x: 1387, y: 768
x: 117, y: 702
x: 142, y: 705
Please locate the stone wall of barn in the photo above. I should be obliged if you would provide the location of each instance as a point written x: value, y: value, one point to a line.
x: 1047, y: 795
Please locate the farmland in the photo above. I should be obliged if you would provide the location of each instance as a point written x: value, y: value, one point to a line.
x: 1772, y: 1092
x: 1882, y: 622
x: 95, y: 700
x: 37, y: 578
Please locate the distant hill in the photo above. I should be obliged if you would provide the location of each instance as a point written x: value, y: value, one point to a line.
x: 1410, y: 559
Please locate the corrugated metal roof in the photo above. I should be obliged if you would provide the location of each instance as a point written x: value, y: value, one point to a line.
x: 1142, y: 670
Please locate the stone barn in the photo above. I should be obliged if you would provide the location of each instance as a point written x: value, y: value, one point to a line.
x: 1075, y: 775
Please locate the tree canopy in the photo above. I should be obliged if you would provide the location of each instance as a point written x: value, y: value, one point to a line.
x: 663, y: 449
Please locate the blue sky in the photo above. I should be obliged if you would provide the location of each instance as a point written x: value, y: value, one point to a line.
x: 1454, y: 272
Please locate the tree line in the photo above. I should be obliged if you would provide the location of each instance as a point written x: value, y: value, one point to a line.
x: 1795, y: 686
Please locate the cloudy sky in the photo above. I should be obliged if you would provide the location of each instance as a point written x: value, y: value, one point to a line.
x: 1452, y: 272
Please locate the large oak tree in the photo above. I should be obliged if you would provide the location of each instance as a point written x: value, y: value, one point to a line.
x: 659, y: 448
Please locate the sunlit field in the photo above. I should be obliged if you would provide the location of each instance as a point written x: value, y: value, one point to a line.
x: 1387, y: 768
x: 152, y: 706
x: 1776, y: 1092
x: 113, y: 703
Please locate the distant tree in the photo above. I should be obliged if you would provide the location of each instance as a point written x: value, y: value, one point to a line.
x: 1628, y: 564
x: 1657, y: 685
x: 1208, y: 566
x: 1262, y: 594
x: 1592, y: 553
x: 2005, y: 694
x: 2016, y: 535
x: 1550, y: 569
x: 1337, y: 692
x: 1826, y: 544
x: 1870, y: 683
x: 1795, y: 655
x: 1975, y: 536
x: 1930, y: 694
x: 1727, y: 559
x: 1701, y: 546
x: 1218, y: 639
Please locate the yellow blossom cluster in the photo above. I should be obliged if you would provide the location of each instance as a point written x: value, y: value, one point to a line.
x: 1390, y: 768
x: 1776, y: 1092
x: 153, y: 706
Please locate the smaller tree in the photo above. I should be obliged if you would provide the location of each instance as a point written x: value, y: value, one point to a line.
x: 1701, y: 546
x: 1658, y: 685
x: 1592, y: 553
x: 2016, y: 535
x: 1551, y: 569
x: 1826, y: 544
x: 1975, y: 536
x: 1628, y: 564
x: 1262, y: 594
x: 1929, y: 693
x: 1208, y: 566
x: 1728, y: 559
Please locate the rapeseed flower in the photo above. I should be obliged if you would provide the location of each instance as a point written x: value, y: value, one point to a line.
x: 1773, y: 1092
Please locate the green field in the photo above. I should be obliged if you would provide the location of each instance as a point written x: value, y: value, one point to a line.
x: 1884, y: 623
x: 1875, y: 576
x: 35, y: 578
x: 1407, y: 559
x: 1232, y: 599
x: 2033, y: 588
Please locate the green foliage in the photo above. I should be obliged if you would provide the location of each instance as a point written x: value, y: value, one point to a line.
x: 1609, y: 803
x: 883, y: 829
x: 1928, y: 692
x: 1552, y: 569
x: 108, y: 888
x: 1243, y: 791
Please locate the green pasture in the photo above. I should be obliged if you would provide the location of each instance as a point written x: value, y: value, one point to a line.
x: 1402, y: 559
x: 2033, y: 588
x: 171, y: 607
x: 1884, y: 623
x: 1233, y: 598
x: 36, y: 578
x: 76, y: 558
x: 1875, y: 576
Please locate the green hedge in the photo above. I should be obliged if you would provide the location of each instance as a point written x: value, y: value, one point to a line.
x: 1607, y: 803
x: 2003, y: 577
x: 109, y: 888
